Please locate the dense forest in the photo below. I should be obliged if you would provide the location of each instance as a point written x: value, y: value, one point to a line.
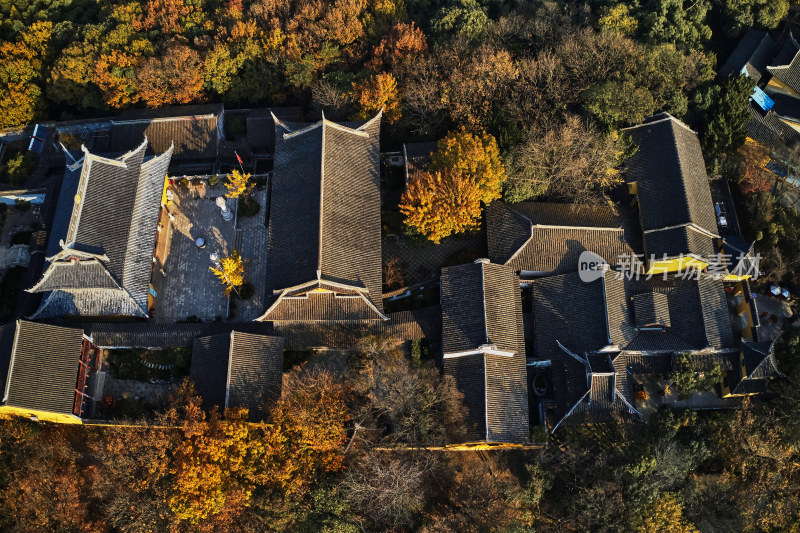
x: 540, y: 91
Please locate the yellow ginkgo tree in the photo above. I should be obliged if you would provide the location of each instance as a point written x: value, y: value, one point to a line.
x: 230, y: 272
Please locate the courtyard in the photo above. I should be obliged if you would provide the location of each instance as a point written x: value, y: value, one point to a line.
x: 192, y: 230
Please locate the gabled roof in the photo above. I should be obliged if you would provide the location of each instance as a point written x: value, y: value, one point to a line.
x: 595, y: 386
x: 319, y: 301
x: 102, y: 263
x: 786, y: 65
x: 261, y: 126
x: 672, y: 183
x: 769, y: 130
x: 546, y: 237
x: 325, y: 206
x: 418, y: 157
x: 43, y: 369
x: 484, y: 348
x: 693, y: 315
x: 194, y: 130
x: 751, y: 55
x: 786, y: 107
x: 238, y: 369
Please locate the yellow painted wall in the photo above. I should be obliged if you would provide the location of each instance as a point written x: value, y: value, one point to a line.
x: 776, y: 85
x: 7, y: 411
x: 675, y: 265
x: 744, y: 308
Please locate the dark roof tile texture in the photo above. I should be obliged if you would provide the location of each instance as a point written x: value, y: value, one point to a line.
x: 752, y: 54
x: 671, y: 178
x: 44, y: 367
x: 325, y: 207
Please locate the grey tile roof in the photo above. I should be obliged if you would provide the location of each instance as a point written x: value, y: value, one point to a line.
x: 325, y: 207
x: 672, y: 183
x: 543, y: 237
x: 651, y: 308
x: 769, y: 130
x: 759, y: 360
x: 403, y: 325
x: 112, y: 232
x: 470, y: 376
x: 786, y: 107
x: 44, y: 367
x: 193, y: 129
x: 481, y: 313
x: 311, y: 305
x: 676, y: 241
x: 786, y: 65
x: 261, y: 127
x: 238, y: 369
x: 418, y: 157
x: 752, y: 55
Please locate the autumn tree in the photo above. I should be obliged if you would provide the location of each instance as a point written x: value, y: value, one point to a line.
x: 666, y: 516
x: 618, y: 19
x: 569, y: 162
x: 21, y: 64
x: 114, y: 74
x: 402, y: 44
x: 441, y: 203
x: 230, y: 272
x: 415, y: 405
x: 174, y: 77
x: 375, y: 93
x: 753, y: 176
x: 466, y: 170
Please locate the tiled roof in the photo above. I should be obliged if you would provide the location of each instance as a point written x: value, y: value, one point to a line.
x: 596, y: 387
x: 238, y: 369
x: 769, y: 130
x: 112, y: 233
x: 418, y: 157
x: 786, y: 107
x: 786, y: 65
x: 44, y: 367
x: 482, y: 318
x: 676, y: 241
x: 192, y: 129
x: 752, y: 55
x: 261, y: 126
x: 543, y: 237
x: 325, y: 207
x: 403, y: 325
x: 759, y: 360
x: 672, y: 184
x: 322, y: 303
x: 651, y: 308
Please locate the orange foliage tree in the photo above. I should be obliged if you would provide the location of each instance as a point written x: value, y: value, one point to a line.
x: 376, y: 92
x: 114, y: 75
x: 169, y: 16
x: 20, y: 71
x: 403, y: 43
x: 176, y: 77
x: 466, y: 170
x: 476, y: 156
x: 441, y: 203
x: 754, y: 178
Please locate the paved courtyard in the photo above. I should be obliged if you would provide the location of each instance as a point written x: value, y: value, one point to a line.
x: 253, y: 247
x: 184, y: 284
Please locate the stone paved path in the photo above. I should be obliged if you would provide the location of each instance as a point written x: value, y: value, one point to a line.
x: 254, y: 251
x: 187, y: 287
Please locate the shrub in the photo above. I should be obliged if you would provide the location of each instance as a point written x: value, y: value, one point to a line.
x: 249, y: 207
x: 246, y: 290
x: 213, y: 180
x: 19, y: 167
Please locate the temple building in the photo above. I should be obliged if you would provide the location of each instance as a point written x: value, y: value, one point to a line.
x: 100, y: 254
x: 324, y: 251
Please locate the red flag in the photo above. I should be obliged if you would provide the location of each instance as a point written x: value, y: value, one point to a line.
x: 239, y: 158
